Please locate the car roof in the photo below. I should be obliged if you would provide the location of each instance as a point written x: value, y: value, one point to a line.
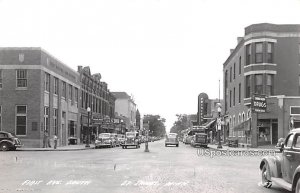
x: 4, y: 132
x: 296, y: 130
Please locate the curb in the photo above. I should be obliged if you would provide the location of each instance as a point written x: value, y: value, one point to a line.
x: 43, y: 149
x: 244, y: 150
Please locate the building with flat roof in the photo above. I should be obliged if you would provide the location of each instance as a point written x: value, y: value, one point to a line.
x: 39, y: 96
x: 266, y: 61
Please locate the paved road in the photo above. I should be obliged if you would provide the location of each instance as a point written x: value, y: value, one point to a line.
x: 164, y: 169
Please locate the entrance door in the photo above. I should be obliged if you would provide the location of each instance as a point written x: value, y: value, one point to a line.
x: 274, y: 133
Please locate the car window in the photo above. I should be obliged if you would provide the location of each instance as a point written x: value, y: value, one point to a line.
x: 2, y: 135
x: 289, y: 141
x: 297, y: 144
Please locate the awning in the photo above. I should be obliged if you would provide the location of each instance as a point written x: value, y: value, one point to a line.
x: 210, y: 124
x: 244, y: 126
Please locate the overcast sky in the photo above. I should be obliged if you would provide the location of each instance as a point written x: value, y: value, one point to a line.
x: 163, y: 52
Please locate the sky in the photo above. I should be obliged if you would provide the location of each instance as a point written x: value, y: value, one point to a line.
x: 162, y: 52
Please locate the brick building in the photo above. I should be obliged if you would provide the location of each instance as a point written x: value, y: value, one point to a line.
x: 265, y: 61
x: 38, y: 94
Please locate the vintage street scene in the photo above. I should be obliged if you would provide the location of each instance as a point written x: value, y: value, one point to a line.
x: 150, y: 96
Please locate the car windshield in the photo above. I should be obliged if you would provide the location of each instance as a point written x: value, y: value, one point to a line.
x: 172, y: 135
x: 104, y: 135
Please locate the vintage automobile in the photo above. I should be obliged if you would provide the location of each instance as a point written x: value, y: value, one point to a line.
x: 284, y: 169
x: 105, y: 140
x: 131, y: 140
x: 8, y: 141
x: 172, y: 139
x: 121, y: 139
x: 199, y: 139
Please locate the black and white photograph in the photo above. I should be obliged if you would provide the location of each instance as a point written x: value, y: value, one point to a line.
x: 149, y: 96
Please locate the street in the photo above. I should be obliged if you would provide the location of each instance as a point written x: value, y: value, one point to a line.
x: 163, y: 169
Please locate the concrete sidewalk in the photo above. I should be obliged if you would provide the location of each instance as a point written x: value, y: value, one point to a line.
x: 61, y: 148
x: 225, y: 148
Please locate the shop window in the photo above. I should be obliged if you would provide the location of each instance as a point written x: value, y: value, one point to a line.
x: 258, y: 52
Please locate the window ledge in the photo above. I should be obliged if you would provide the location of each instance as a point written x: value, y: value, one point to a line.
x: 21, y: 88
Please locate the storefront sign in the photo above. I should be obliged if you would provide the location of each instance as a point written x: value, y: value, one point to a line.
x: 259, y: 104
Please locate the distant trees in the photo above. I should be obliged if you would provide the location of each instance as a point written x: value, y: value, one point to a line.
x: 180, y: 124
x: 156, y: 125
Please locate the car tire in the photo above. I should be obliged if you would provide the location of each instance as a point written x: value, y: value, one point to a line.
x: 297, y: 187
x: 4, y: 146
x: 177, y: 145
x: 264, y: 181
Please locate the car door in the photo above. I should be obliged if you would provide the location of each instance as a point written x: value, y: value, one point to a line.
x: 287, y: 158
x: 295, y: 158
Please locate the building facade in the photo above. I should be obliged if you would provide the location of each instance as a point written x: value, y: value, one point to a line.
x: 39, y: 96
x: 265, y: 62
x: 125, y: 106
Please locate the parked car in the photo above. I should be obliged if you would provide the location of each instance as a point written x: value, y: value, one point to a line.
x: 199, y: 139
x: 131, y: 140
x: 105, y: 140
x: 284, y: 169
x: 8, y: 141
x: 172, y: 139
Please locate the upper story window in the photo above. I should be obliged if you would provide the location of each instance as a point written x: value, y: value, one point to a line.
x: 240, y: 92
x: 0, y: 118
x: 230, y: 97
x: 230, y: 75
x: 55, y: 85
x: 21, y: 78
x: 76, y: 95
x: 47, y: 82
x: 248, y: 86
x: 259, y: 52
x: 233, y: 71
x: 240, y: 65
x: 270, y: 84
x: 64, y: 89
x: 258, y: 84
x: 270, y: 51
x: 71, y: 92
x: 248, y: 54
x: 0, y: 79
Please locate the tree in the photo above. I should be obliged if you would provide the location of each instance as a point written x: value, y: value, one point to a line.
x: 180, y: 124
x: 156, y: 125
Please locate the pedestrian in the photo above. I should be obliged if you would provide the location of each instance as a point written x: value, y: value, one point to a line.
x: 48, y: 141
x: 45, y: 142
x: 55, y: 141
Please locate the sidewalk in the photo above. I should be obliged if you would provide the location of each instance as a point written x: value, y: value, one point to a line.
x: 261, y: 148
x: 61, y: 148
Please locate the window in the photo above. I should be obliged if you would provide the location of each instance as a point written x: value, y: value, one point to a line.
x: 248, y: 86
x: 47, y: 82
x: 233, y: 71
x: 55, y: 122
x: 21, y: 119
x: 230, y: 75
x: 76, y: 95
x: 248, y: 54
x: 55, y: 85
x: 289, y: 141
x: 46, y: 119
x: 21, y: 78
x: 243, y: 117
x: 234, y: 96
x: 64, y: 89
x: 295, y: 110
x: 258, y: 83
x: 299, y: 52
x: 0, y: 79
x: 249, y: 114
x: 230, y: 99
x: 269, y: 84
x: 70, y: 92
x: 297, y: 144
x: 270, y: 48
x: 258, y: 52
x: 240, y: 65
x: 0, y: 118
x: 239, y: 92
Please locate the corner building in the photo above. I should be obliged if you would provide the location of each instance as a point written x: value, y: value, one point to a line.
x: 265, y: 61
x: 38, y: 94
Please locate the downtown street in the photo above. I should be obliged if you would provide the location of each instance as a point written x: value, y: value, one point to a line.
x: 163, y: 169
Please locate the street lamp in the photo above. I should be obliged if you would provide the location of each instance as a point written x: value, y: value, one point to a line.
x: 219, y: 125
x: 88, y: 133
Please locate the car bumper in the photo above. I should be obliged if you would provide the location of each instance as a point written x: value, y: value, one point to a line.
x: 171, y: 143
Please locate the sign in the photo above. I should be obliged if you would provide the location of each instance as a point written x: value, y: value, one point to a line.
x: 259, y: 103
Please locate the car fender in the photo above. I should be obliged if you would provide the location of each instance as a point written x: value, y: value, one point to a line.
x: 273, y: 165
x: 7, y: 141
x: 296, y: 176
